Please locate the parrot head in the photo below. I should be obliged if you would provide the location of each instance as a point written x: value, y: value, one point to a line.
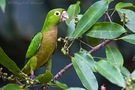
x: 56, y: 16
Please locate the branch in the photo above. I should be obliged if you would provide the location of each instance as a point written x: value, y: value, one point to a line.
x: 99, y: 46
x: 62, y: 71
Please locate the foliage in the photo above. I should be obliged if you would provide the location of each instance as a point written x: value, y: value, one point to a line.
x: 3, y: 5
x: 87, y: 25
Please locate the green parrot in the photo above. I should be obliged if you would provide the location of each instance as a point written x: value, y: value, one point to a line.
x: 44, y: 42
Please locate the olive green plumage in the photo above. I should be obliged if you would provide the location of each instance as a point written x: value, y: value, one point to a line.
x: 44, y: 42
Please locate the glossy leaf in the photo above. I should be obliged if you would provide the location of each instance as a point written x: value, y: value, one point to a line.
x: 72, y: 25
x: 121, y: 5
x: 3, y: 5
x: 114, y: 57
x: 90, y: 17
x: 133, y: 75
x: 125, y: 72
x: 93, y: 41
x: 129, y: 18
x: 129, y: 38
x: 86, y: 57
x: 73, y: 11
x: 110, y: 72
x: 84, y: 72
x: 106, y: 30
x: 58, y: 84
x: 45, y: 78
x: 12, y: 87
x: 107, y: 1
x: 75, y: 88
x: 8, y: 63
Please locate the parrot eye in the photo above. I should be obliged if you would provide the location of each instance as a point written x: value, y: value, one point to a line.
x: 57, y: 13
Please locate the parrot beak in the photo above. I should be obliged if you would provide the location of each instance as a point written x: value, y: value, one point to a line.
x: 64, y: 16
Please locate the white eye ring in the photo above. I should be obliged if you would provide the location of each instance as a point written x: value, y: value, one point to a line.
x: 57, y: 13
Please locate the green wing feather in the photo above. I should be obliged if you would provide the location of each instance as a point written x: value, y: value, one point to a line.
x: 34, y: 45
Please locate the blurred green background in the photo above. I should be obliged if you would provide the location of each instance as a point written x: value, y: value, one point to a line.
x: 24, y: 18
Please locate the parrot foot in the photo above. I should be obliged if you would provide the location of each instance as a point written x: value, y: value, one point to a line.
x: 53, y: 80
x: 32, y: 76
x: 45, y: 86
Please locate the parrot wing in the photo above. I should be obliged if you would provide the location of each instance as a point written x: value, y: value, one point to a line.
x: 34, y: 45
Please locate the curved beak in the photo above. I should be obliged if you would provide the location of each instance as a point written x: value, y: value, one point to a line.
x: 64, y: 16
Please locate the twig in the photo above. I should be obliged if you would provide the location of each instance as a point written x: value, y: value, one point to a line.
x: 108, y: 16
x: 99, y: 46
x: 85, y: 43
x: 62, y: 71
x: 113, y: 13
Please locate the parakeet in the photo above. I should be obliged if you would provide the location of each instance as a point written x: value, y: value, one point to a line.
x: 44, y: 42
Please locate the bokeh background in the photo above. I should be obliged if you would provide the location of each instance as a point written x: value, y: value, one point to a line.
x: 24, y: 18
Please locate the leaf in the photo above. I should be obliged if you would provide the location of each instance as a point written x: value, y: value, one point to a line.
x: 90, y: 17
x: 3, y: 5
x: 8, y: 63
x: 110, y: 72
x: 125, y: 72
x: 12, y: 87
x: 45, y: 78
x: 108, y: 1
x: 129, y: 38
x: 58, y: 85
x: 121, y: 5
x: 129, y: 17
x: 72, y: 25
x: 84, y: 72
x: 72, y: 11
x: 93, y: 41
x: 133, y: 75
x: 75, y: 88
x: 106, y: 30
x: 86, y: 57
x: 114, y: 57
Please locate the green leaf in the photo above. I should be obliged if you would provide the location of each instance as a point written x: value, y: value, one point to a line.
x: 125, y: 72
x: 45, y: 78
x: 129, y: 38
x: 12, y: 87
x: 106, y: 30
x: 3, y: 5
x: 86, y: 57
x: 110, y: 72
x: 58, y: 84
x: 133, y: 75
x: 121, y: 5
x: 72, y: 25
x: 75, y: 88
x: 129, y: 18
x: 72, y: 11
x: 107, y: 0
x: 93, y: 41
x: 114, y: 57
x: 8, y: 63
x: 84, y: 71
x: 90, y: 17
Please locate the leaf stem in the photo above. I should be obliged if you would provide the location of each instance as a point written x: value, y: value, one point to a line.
x: 85, y: 43
x: 108, y: 16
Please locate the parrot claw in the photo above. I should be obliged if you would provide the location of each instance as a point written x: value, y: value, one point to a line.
x: 53, y: 80
x: 32, y: 76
